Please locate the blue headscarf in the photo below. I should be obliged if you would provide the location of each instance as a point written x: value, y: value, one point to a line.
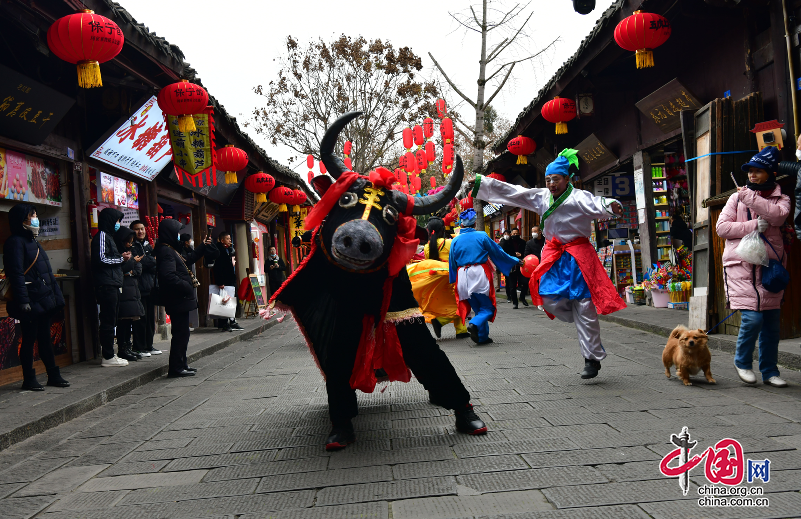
x: 467, y: 218
x: 561, y: 166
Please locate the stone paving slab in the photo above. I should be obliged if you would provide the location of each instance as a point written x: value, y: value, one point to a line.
x: 21, y: 507
x: 252, y: 470
x: 470, y: 506
x: 615, y: 493
x: 140, y: 481
x: 60, y: 480
x: 598, y: 512
x: 388, y: 490
x: 373, y: 510
x: 781, y: 506
x: 531, y: 479
x: 237, y: 487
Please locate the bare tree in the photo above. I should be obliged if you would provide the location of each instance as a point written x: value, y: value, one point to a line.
x: 503, y: 68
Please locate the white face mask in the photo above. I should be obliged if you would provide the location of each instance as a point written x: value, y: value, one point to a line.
x: 535, y: 235
x: 192, y: 243
x: 798, y: 154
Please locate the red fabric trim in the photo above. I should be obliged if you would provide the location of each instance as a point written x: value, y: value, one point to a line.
x: 409, y: 204
x: 463, y: 306
x: 604, y: 295
x: 300, y: 267
x: 329, y: 199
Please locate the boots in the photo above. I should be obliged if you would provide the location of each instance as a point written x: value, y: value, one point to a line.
x: 468, y: 422
x: 591, y: 368
x: 124, y: 352
x: 54, y: 378
x: 437, y: 326
x: 341, y: 436
x: 29, y: 381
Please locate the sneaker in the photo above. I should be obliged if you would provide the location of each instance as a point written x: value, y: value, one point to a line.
x: 235, y: 326
x: 141, y: 353
x: 191, y: 329
x: 775, y: 382
x: 437, y: 326
x: 114, y: 362
x: 340, y: 437
x: 591, y: 368
x: 468, y: 422
x: 154, y: 351
x: 746, y: 375
x: 463, y: 335
x: 514, y: 307
x: 127, y: 355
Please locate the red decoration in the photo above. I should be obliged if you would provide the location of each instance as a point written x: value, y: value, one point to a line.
x: 408, y: 138
x: 282, y: 196
x: 559, y: 110
x: 210, y: 173
x: 310, y: 161
x: 401, y: 175
x: 530, y: 263
x: 231, y: 159
x: 348, y: 148
x: 323, y: 171
x: 466, y: 203
x: 348, y: 164
x: 642, y: 32
x: 421, y: 160
x: 433, y: 181
x: 259, y: 183
x: 409, y: 162
x: 497, y: 176
x: 448, y: 156
x: 311, y: 176
x: 416, y: 183
x: 298, y: 197
x: 431, y: 152
x: 419, y: 138
x: 428, y: 127
x: 441, y: 108
x: 521, y: 146
x: 85, y: 39
x: 182, y: 100
x: 446, y: 130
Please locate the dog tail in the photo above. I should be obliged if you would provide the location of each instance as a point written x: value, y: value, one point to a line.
x: 677, y: 331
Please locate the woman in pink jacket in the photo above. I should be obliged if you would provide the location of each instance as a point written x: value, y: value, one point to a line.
x: 758, y: 206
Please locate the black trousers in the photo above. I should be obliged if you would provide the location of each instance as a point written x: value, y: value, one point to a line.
x: 108, y: 298
x: 511, y: 286
x: 145, y: 328
x: 36, y: 329
x: 422, y: 355
x: 180, y: 340
x: 124, y: 332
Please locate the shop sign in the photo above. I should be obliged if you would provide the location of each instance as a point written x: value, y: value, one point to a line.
x: 594, y: 153
x: 211, y: 220
x: 490, y: 209
x: 29, y: 110
x: 50, y: 226
x: 620, y: 185
x: 541, y: 160
x: 664, y: 106
x: 296, y: 223
x: 193, y: 152
x: 141, y: 145
x: 29, y: 179
x: 116, y: 191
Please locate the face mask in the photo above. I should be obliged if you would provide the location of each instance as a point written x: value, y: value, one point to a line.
x: 535, y: 235
x: 798, y: 154
x: 32, y: 228
x: 192, y: 244
x: 34, y: 222
x: 116, y: 226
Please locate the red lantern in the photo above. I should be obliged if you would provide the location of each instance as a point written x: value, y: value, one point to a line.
x: 559, y: 110
x: 446, y: 130
x: 311, y: 176
x: 322, y: 168
x: 428, y: 127
x: 182, y: 100
x: 433, y: 181
x: 85, y: 39
x: 421, y: 159
x: 642, y: 32
x: 260, y: 183
x: 348, y: 148
x: 441, y: 109
x: 298, y: 197
x: 521, y: 146
x: 466, y: 203
x: 431, y: 152
x: 531, y: 262
x: 310, y: 161
x: 497, y: 176
x: 231, y: 159
x: 419, y: 138
x: 416, y: 183
x: 348, y: 164
x: 408, y: 138
x: 282, y: 196
x: 409, y: 162
x: 400, y: 175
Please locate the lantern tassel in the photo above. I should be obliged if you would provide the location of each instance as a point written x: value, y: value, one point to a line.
x: 186, y: 124
x: 645, y: 58
x: 282, y: 208
x: 295, y: 208
x: 260, y: 198
x: 230, y: 177
x: 561, y: 128
x: 521, y: 159
x: 89, y: 74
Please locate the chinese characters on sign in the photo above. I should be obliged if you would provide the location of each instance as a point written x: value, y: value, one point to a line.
x: 29, y: 179
x: 194, y: 151
x: 664, y: 106
x: 594, y: 153
x: 618, y: 185
x: 141, y: 145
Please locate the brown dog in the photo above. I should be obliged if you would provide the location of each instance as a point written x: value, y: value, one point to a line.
x: 688, y: 351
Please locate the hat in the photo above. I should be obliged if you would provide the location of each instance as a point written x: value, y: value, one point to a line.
x: 185, y: 237
x: 467, y: 218
x: 767, y: 159
x: 565, y: 164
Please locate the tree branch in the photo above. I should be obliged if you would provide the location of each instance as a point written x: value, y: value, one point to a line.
x: 464, y: 24
x: 511, y: 40
x: 454, y: 116
x: 492, y: 52
x: 495, y: 73
x: 454, y: 87
x: 532, y: 56
x: 500, y: 86
x: 475, y: 17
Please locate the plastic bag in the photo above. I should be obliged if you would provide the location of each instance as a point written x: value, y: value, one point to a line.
x: 752, y: 250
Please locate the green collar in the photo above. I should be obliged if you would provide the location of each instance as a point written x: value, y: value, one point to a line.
x: 553, y: 206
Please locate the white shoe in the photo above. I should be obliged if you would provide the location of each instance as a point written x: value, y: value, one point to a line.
x: 114, y: 362
x: 144, y: 353
x: 746, y: 375
x: 775, y: 382
x: 155, y: 352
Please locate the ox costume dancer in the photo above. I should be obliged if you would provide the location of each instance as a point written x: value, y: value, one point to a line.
x: 363, y: 321
x: 471, y: 269
x: 573, y: 285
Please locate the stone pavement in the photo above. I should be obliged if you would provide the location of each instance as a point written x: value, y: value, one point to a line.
x: 245, y: 438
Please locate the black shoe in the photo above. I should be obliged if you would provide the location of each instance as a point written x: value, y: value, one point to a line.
x: 29, y: 382
x: 340, y: 437
x: 463, y: 335
x: 54, y: 378
x: 180, y: 374
x: 127, y: 355
x: 235, y: 326
x: 486, y: 341
x: 514, y: 307
x: 226, y: 328
x: 591, y: 368
x: 437, y: 327
x: 525, y: 303
x: 473, y: 329
x: 193, y: 370
x: 468, y: 422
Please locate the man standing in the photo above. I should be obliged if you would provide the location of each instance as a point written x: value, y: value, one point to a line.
x: 470, y: 269
x: 225, y: 277
x: 515, y: 247
x: 145, y: 328
x: 534, y: 245
x: 107, y: 274
x: 275, y: 270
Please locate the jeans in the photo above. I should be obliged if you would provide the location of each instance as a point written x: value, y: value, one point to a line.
x: 482, y: 306
x: 765, y: 325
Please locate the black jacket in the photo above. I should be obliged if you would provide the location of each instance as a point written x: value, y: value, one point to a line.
x: 106, y: 259
x: 512, y: 245
x: 534, y: 246
x: 176, y: 291
x: 224, y: 271
x: 130, y: 302
x: 798, y: 206
x: 276, y: 276
x: 147, y: 281
x: 38, y: 287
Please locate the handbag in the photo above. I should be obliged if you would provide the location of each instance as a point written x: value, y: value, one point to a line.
x: 219, y: 309
x: 5, y: 283
x: 775, y: 277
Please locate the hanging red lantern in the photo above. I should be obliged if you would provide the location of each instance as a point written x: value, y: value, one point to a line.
x: 298, y: 197
x: 521, y: 146
x: 348, y: 148
x: 85, y: 39
x: 323, y: 171
x: 422, y: 160
x: 310, y: 161
x: 408, y: 138
x: 446, y: 169
x: 348, y: 164
x: 260, y: 184
x: 400, y: 175
x: 282, y: 196
x: 231, y: 159
x: 466, y: 203
x: 497, y: 176
x: 433, y: 181
x: 311, y: 176
x: 428, y: 127
x: 441, y: 109
x: 431, y: 152
x: 409, y: 162
x: 417, y: 183
x: 446, y: 130
x: 559, y: 110
x: 642, y: 32
x: 419, y: 138
x: 182, y: 100
x: 448, y: 156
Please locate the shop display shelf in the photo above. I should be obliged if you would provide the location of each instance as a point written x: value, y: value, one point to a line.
x: 662, y: 218
x: 662, y: 232
x: 661, y: 205
x: 660, y: 191
x: 658, y: 178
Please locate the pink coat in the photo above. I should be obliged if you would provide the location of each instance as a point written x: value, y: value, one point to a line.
x: 743, y: 281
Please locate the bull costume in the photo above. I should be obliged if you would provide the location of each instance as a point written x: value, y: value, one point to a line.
x: 471, y: 269
x: 363, y: 320
x: 570, y: 282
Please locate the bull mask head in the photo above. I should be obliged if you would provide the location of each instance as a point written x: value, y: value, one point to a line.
x: 360, y: 229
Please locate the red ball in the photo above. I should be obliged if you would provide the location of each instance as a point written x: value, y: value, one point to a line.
x: 530, y: 263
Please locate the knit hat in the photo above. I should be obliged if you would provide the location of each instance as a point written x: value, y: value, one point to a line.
x: 767, y: 159
x: 467, y: 218
x: 565, y: 164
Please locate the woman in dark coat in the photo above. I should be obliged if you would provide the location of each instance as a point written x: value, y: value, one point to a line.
x: 680, y: 231
x: 36, y: 295
x: 177, y: 289
x: 130, y: 307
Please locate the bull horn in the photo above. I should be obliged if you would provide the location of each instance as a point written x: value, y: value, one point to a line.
x: 432, y: 203
x: 334, y: 164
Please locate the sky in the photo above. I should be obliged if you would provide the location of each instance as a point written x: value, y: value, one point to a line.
x: 233, y: 44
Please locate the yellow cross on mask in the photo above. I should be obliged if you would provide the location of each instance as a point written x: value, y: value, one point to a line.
x: 370, y: 200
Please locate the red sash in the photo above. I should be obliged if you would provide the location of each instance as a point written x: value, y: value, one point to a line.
x: 603, y: 292
x: 464, y: 305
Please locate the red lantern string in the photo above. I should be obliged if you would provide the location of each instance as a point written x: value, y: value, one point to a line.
x: 419, y: 137
x: 408, y: 138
